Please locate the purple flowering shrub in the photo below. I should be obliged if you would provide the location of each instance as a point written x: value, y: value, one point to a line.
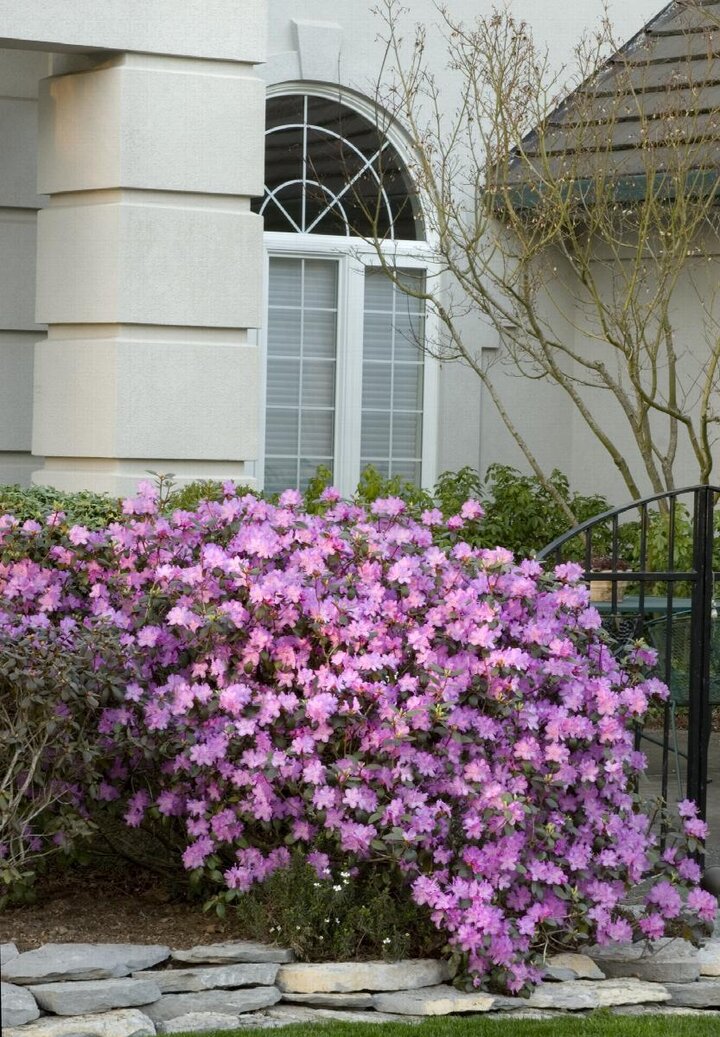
x: 339, y: 686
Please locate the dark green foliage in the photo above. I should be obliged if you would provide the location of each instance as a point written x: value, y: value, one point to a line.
x: 363, y: 916
x: 187, y: 498
x: 453, y: 488
x: 522, y: 515
x: 320, y: 481
x: 373, y: 486
x: 51, y: 696
x: 83, y: 508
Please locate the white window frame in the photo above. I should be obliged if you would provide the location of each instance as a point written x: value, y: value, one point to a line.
x: 353, y: 255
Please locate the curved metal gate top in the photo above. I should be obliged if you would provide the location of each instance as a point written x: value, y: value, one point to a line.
x: 661, y: 549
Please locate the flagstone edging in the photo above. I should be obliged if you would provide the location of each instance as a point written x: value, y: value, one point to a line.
x: 130, y: 990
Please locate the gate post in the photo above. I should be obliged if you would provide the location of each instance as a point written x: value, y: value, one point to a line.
x: 701, y: 635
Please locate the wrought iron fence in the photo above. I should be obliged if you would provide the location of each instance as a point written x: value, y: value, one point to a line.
x: 657, y: 561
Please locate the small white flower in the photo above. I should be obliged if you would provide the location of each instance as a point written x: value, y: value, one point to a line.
x: 387, y: 940
x: 337, y: 889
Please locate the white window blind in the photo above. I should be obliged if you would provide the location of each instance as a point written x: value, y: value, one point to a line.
x: 393, y: 373
x: 301, y: 370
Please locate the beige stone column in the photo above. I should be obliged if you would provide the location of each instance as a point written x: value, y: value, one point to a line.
x: 149, y: 271
x: 20, y: 72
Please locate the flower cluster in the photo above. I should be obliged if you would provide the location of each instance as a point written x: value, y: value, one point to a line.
x: 340, y: 684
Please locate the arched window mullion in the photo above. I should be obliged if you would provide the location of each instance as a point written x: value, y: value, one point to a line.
x: 298, y: 212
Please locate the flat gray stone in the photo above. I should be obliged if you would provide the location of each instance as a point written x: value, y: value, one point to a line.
x: 709, y: 958
x: 358, y: 1001
x: 302, y: 1014
x: 439, y: 1000
x: 524, y: 1013
x: 580, y: 964
x: 703, y: 994
x: 655, y: 1010
x: 17, y: 1005
x: 178, y: 981
x: 233, y: 952
x: 199, y: 1022
x: 587, y: 994
x: 95, y: 995
x: 346, y: 977
x: 58, y: 962
x: 501, y: 1003
x: 8, y: 951
x: 556, y: 974
x: 668, y: 960
x: 226, y: 1002
x: 128, y: 1023
x: 262, y: 1021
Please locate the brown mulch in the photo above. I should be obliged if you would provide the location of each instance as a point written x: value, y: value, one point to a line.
x: 86, y: 906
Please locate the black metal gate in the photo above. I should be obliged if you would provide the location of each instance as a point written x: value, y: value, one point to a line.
x: 656, y: 562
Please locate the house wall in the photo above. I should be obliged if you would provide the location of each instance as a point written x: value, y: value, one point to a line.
x: 148, y: 142
x: 138, y: 371
x: 312, y: 41
x: 20, y: 73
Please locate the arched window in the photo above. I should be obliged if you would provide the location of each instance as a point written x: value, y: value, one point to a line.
x: 347, y: 382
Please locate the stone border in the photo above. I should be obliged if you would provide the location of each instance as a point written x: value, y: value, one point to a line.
x: 132, y: 990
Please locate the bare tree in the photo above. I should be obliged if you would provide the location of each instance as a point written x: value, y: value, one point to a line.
x: 578, y: 229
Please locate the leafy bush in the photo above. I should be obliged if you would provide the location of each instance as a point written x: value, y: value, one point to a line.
x: 521, y: 514
x: 338, y: 686
x: 51, y: 694
x: 93, y: 510
x: 364, y: 913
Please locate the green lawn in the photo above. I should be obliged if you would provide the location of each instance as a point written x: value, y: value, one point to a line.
x: 601, y: 1024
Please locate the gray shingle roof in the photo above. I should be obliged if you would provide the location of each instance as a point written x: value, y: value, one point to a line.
x: 654, y: 107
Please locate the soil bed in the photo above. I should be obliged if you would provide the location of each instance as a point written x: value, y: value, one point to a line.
x: 87, y: 906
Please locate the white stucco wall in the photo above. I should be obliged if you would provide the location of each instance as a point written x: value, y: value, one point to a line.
x: 134, y: 125
x: 149, y: 260
x: 314, y: 41
x: 20, y: 73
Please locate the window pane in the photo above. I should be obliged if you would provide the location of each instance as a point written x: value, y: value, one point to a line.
x: 408, y: 387
x: 320, y: 331
x: 408, y: 336
x: 302, y: 330
x: 285, y: 288
x: 283, y: 383
x: 327, y: 167
x: 316, y: 439
x: 284, y: 332
x: 411, y: 470
x: 281, y: 430
x: 320, y: 289
x: 378, y: 336
x: 378, y: 291
x: 375, y: 443
x: 406, y: 436
x: 318, y: 383
x: 377, y: 386
x: 281, y: 473
x: 393, y: 376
